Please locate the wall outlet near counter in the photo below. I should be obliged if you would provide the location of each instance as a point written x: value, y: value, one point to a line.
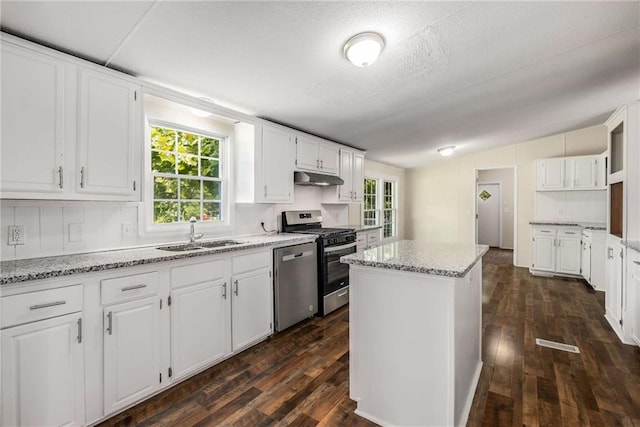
x: 16, y: 235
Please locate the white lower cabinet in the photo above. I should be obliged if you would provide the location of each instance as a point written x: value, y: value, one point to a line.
x: 614, y: 296
x: 252, y: 316
x: 633, y: 278
x: 131, y: 352
x: 366, y: 239
x: 43, y: 373
x: 556, y: 250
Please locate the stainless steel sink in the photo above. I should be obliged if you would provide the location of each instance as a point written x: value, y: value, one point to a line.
x: 200, y: 245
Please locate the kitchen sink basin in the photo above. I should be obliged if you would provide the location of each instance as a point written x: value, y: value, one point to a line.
x: 200, y: 245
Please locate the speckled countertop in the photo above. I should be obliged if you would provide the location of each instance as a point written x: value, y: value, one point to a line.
x: 358, y: 228
x: 583, y: 224
x: 440, y: 259
x: 66, y: 265
x: 632, y: 244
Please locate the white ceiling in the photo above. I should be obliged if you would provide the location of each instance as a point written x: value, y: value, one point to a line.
x: 472, y: 74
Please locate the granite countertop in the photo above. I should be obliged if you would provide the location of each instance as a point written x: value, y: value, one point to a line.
x: 66, y: 265
x: 358, y: 228
x: 440, y: 259
x: 583, y: 224
x: 632, y: 244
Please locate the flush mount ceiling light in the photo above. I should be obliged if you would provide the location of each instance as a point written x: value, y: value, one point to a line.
x: 446, y: 151
x: 363, y: 49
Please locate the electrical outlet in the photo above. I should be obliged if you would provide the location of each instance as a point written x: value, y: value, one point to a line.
x: 16, y: 235
x: 129, y: 229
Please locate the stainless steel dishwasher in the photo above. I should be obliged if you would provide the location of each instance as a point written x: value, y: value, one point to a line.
x: 296, y: 284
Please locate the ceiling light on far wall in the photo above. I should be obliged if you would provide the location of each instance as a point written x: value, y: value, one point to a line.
x: 446, y: 151
x: 363, y: 49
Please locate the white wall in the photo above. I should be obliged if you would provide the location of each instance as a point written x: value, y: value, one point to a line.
x: 440, y: 197
x: 506, y: 179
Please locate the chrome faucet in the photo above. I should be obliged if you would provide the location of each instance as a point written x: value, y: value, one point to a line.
x: 192, y: 230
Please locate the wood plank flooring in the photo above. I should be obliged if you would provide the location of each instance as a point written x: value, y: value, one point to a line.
x: 300, y: 377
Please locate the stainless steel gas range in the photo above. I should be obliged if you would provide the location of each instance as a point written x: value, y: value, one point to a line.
x: 332, y: 243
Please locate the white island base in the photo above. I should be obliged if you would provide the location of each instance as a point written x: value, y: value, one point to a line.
x: 415, y: 345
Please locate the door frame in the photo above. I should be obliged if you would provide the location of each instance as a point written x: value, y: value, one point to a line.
x: 499, y: 209
x: 474, y: 218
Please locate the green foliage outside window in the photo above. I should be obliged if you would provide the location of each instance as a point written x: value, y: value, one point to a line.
x: 186, y: 176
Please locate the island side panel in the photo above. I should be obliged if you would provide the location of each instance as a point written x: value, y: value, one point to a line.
x: 468, y: 340
x: 401, y: 346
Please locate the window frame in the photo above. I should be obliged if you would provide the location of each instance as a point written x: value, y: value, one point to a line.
x: 376, y: 208
x: 147, y: 209
x: 380, y: 180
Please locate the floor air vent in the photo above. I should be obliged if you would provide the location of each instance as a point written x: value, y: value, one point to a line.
x: 557, y: 345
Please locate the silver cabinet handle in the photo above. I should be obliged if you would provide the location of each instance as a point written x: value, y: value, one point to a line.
x: 60, y: 177
x: 321, y: 164
x: 79, y: 330
x: 110, y: 324
x: 49, y: 304
x: 82, y: 177
x: 131, y: 288
x: 342, y: 294
x: 317, y: 163
x: 545, y: 231
x: 224, y: 290
x: 569, y: 232
x: 236, y: 291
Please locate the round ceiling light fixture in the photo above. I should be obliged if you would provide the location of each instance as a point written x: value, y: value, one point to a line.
x: 446, y: 151
x: 363, y: 49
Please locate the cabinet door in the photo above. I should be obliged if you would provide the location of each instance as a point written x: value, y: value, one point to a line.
x: 583, y: 173
x: 358, y: 178
x: 251, y: 307
x: 544, y: 253
x: 131, y: 352
x: 634, y: 281
x: 108, y: 143
x: 586, y: 261
x: 307, y: 154
x: 551, y: 174
x: 43, y: 373
x: 277, y: 165
x: 568, y: 255
x: 613, y: 296
x: 32, y: 128
x: 345, y: 192
x: 200, y: 326
x: 329, y: 155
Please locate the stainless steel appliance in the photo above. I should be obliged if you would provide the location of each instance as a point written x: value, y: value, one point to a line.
x: 296, y: 284
x: 332, y: 243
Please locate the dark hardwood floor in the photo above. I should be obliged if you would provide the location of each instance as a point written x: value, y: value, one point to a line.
x: 300, y: 377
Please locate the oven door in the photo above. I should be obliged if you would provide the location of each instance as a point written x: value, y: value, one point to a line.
x: 336, y: 274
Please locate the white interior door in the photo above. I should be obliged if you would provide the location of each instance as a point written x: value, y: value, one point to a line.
x: 488, y: 196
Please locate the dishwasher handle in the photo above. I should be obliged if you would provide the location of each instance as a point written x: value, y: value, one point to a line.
x: 296, y: 256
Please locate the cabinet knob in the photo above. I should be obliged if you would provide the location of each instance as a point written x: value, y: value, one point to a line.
x: 60, y: 177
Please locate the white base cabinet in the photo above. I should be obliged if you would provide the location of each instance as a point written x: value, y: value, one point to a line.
x: 633, y: 278
x: 366, y: 239
x: 615, y: 298
x: 43, y: 373
x: 556, y: 250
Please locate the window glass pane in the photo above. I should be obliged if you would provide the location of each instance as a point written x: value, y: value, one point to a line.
x: 210, y: 147
x: 190, y: 189
x: 210, y: 167
x: 211, y: 211
x: 164, y: 212
x: 187, y: 143
x: 165, y: 188
x: 189, y: 209
x: 187, y: 165
x: 162, y: 139
x: 163, y: 162
x: 211, y: 190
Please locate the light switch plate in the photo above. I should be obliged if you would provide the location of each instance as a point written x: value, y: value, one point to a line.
x: 16, y: 235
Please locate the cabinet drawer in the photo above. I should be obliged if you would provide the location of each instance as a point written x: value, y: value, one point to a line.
x: 128, y: 287
x: 198, y: 273
x: 544, y: 231
x: 29, y: 307
x: 570, y: 232
x: 373, y: 237
x: 255, y: 261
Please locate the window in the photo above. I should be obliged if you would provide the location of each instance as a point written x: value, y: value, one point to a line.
x: 380, y: 197
x: 370, y: 202
x: 186, y: 172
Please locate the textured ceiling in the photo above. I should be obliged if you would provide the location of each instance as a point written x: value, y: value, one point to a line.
x: 474, y: 75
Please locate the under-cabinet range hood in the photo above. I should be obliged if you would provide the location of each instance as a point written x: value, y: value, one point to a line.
x: 311, y: 178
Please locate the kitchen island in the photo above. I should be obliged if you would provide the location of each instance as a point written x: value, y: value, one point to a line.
x: 415, y: 337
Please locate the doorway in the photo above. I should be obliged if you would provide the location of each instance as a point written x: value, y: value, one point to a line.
x: 489, y: 214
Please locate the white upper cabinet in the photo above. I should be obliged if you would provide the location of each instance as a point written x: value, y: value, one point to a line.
x: 107, y: 143
x: 264, y: 159
x: 315, y: 155
x: 69, y: 132
x: 352, y: 173
x: 571, y: 173
x: 33, y: 117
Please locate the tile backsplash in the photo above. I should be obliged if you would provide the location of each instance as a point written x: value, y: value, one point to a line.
x: 67, y: 227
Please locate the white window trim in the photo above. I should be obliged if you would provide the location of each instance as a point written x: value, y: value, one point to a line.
x: 145, y: 212
x: 381, y: 178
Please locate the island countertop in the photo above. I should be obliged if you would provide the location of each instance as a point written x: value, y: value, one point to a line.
x: 440, y: 259
x: 57, y: 266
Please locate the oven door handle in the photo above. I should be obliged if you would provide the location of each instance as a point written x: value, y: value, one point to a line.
x: 339, y: 248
